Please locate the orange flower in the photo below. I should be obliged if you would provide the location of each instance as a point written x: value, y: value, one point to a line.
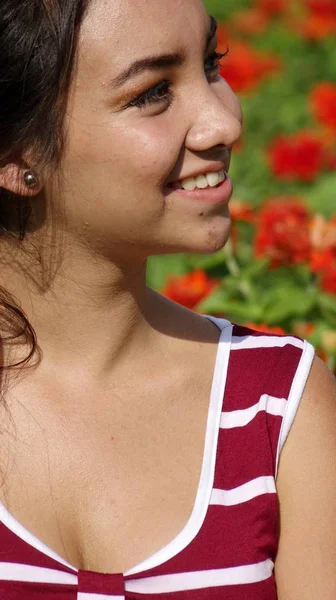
x: 329, y: 341
x: 239, y: 145
x: 242, y: 211
x: 323, y: 241
x: 250, y: 22
x: 243, y: 68
x: 322, y: 354
x: 304, y: 329
x: 189, y: 289
x: 322, y: 233
x: 283, y: 232
x: 298, y: 156
x: 323, y: 103
x: 315, y: 27
x: 264, y: 328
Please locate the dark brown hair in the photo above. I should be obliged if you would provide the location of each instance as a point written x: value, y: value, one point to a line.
x: 38, y: 40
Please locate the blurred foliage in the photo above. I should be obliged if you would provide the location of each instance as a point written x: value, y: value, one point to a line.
x: 278, y: 105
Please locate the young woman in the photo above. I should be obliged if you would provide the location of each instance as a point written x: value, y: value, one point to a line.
x: 146, y: 451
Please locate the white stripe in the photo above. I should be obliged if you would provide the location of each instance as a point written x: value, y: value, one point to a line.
x: 243, y: 493
x: 195, y: 522
x: 202, y: 579
x: 88, y: 596
x: 240, y: 418
x: 295, y: 395
x: 11, y: 523
x: 28, y: 573
x: 264, y: 341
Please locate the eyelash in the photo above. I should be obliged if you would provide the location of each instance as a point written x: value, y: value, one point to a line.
x: 161, y: 91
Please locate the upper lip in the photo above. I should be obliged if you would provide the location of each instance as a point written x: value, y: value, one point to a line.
x: 208, y: 168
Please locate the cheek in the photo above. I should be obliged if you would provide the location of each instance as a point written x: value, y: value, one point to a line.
x: 150, y: 149
x: 120, y: 171
x: 146, y: 151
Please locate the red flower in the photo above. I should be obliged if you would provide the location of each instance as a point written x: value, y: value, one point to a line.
x: 271, y: 8
x: 316, y: 27
x: 326, y: 8
x: 322, y: 260
x: 265, y: 328
x: 243, y: 68
x: 224, y: 36
x: 328, y: 281
x: 319, y: 20
x: 189, y: 289
x: 323, y: 103
x: 283, y: 233
x: 299, y: 156
x: 330, y: 159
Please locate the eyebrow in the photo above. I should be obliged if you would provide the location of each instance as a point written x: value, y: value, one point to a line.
x: 156, y: 63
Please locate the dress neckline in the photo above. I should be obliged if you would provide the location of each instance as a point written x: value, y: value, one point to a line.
x: 202, y: 499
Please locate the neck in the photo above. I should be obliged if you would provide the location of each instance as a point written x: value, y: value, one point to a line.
x: 90, y: 315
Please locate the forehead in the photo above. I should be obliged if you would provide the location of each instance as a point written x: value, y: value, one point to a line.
x: 122, y: 30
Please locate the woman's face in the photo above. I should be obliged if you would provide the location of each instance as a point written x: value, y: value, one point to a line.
x: 130, y: 135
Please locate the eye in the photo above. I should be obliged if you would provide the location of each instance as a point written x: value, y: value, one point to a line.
x: 212, y: 63
x: 157, y: 94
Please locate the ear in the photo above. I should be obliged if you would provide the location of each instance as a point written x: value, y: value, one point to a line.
x: 12, y: 179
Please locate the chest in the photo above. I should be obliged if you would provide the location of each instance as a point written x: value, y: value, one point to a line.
x: 105, y: 489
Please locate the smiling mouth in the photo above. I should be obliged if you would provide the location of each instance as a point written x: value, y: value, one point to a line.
x: 201, y: 182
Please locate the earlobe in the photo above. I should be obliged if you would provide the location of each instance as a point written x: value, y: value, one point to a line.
x: 19, y: 179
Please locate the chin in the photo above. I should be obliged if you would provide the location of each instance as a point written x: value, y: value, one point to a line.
x: 203, y: 237
x: 211, y: 238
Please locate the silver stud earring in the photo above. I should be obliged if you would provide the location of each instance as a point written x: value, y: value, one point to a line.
x: 30, y: 179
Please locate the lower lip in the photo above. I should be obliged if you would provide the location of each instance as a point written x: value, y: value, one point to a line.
x: 216, y: 195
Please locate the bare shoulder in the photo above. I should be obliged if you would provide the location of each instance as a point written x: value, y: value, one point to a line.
x: 305, y: 565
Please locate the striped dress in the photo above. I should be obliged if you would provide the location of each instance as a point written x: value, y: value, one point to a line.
x: 227, y: 549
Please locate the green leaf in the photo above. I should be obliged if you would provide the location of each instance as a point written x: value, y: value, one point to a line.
x: 328, y: 308
x: 159, y: 268
x: 235, y: 310
x: 256, y: 269
x: 285, y: 303
x: 207, y: 262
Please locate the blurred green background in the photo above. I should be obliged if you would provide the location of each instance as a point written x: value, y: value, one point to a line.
x: 280, y: 54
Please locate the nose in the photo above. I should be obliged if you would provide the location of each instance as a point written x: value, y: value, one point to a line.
x: 216, y: 119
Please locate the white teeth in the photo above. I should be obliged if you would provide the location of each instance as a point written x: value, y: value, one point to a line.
x: 202, y: 181
x: 212, y: 179
x: 189, y: 184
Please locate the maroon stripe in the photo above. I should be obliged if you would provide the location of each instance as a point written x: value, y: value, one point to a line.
x: 15, y: 550
x: 10, y: 590
x: 259, y: 371
x: 101, y: 583
x: 244, y: 453
x: 231, y: 536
